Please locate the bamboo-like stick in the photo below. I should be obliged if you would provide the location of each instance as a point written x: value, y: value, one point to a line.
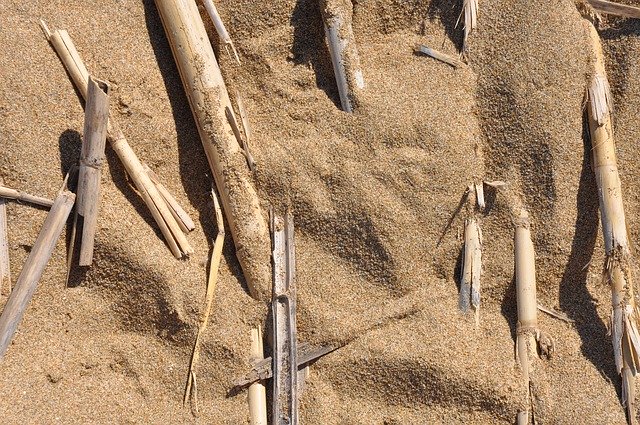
x: 625, y: 315
x: 181, y: 216
x: 16, y: 195
x: 472, y: 258
x: 34, y: 267
x: 220, y: 28
x: 177, y: 242
x: 618, y: 9
x: 208, y: 98
x: 442, y: 57
x: 214, y: 266
x: 96, y: 116
x: 257, y: 391
x: 5, y: 272
x: 337, y: 16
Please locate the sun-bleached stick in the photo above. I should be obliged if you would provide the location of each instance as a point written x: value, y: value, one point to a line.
x: 181, y: 216
x: 613, y: 8
x: 5, y: 272
x: 442, y: 57
x: 34, y: 267
x: 177, y: 242
x: 472, y: 258
x: 257, y: 391
x: 220, y: 28
x: 337, y: 16
x: 8, y: 193
x: 625, y: 316
x: 208, y: 98
x: 94, y: 139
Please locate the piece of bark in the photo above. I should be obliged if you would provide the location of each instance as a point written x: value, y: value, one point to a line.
x: 208, y: 98
x: 34, y: 267
x: 8, y: 193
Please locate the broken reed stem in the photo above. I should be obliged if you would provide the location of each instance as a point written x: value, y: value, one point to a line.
x: 177, y: 242
x: 34, y: 267
x: 96, y: 116
x: 472, y: 258
x: 220, y: 28
x: 8, y: 193
x: 257, y: 391
x: 625, y: 315
x: 5, y: 272
x: 618, y: 9
x: 214, y: 266
x: 208, y: 98
x: 470, y: 12
x: 186, y: 224
x: 337, y: 16
x: 442, y: 57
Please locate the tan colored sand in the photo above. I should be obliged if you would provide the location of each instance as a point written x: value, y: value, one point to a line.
x: 372, y: 195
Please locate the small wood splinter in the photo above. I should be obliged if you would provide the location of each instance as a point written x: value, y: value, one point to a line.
x: 472, y: 257
x: 442, y: 57
x: 220, y: 28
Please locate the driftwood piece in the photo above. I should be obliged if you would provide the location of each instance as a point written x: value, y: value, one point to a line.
x: 442, y: 57
x: 220, y: 28
x: 34, y: 267
x: 177, y: 242
x: 625, y: 320
x: 257, y: 393
x: 337, y: 16
x: 5, y: 272
x: 8, y: 193
x: 96, y: 116
x: 472, y: 258
x: 613, y: 8
x: 181, y: 216
x: 285, y: 353
x: 209, y: 98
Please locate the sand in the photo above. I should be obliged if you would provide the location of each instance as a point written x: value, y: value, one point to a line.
x: 374, y: 196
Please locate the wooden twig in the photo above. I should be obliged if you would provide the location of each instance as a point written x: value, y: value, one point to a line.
x: 214, y: 266
x: 337, y: 16
x: 96, y: 116
x: 5, y: 272
x: 220, y: 28
x: 618, y: 9
x: 177, y: 242
x: 208, y: 98
x: 257, y: 391
x: 625, y: 316
x: 285, y: 376
x: 442, y: 57
x: 186, y: 224
x: 556, y: 314
x: 472, y: 258
x: 34, y: 267
x: 16, y: 195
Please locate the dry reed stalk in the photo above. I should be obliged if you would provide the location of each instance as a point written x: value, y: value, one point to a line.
x: 472, y: 258
x: 5, y: 272
x: 285, y: 353
x: 214, y: 266
x: 442, y: 57
x: 244, y: 119
x: 220, y: 28
x: 470, y: 12
x: 8, y: 193
x: 177, y: 242
x: 337, y: 16
x: 186, y: 224
x: 236, y: 131
x: 34, y: 267
x: 96, y: 116
x: 625, y: 315
x: 208, y: 98
x: 257, y: 391
x: 618, y: 9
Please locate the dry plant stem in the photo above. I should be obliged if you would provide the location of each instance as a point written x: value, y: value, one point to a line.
x: 285, y: 376
x: 470, y: 12
x: 214, y: 266
x: 612, y: 8
x: 181, y: 216
x: 34, y: 267
x: 5, y: 273
x: 177, y: 242
x: 526, y: 341
x: 96, y: 116
x: 472, y: 258
x: 220, y: 28
x: 257, y: 391
x: 449, y: 60
x: 236, y: 131
x: 208, y: 98
x: 624, y: 321
x: 16, y: 195
x: 247, y: 132
x: 337, y: 16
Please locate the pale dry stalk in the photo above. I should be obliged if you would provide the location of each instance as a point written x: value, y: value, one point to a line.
x: 220, y: 28
x: 257, y: 390
x: 5, y: 272
x: 613, y: 8
x: 8, y: 193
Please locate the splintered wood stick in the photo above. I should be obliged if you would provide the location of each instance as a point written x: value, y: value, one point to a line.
x: 181, y: 216
x: 612, y: 8
x: 449, y: 60
x: 220, y: 28
x: 337, y: 16
x: 177, y: 242
x: 257, y: 391
x: 34, y: 267
x: 285, y: 376
x: 625, y: 315
x: 96, y: 116
x: 5, y: 272
x: 8, y: 193
x: 470, y: 12
x: 208, y: 98
x: 214, y: 266
x: 472, y: 259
